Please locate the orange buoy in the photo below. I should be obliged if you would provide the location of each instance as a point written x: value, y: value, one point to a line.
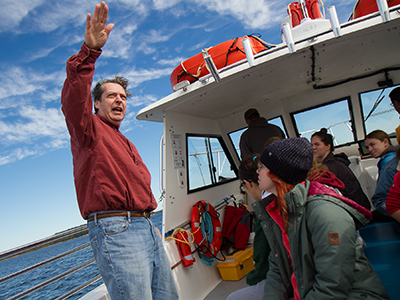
x: 181, y: 240
x: 206, y: 245
x: 223, y: 55
x: 313, y: 9
x: 366, y: 7
x: 296, y: 13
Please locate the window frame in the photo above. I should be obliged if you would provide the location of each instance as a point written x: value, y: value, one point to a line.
x: 227, y: 154
x: 362, y: 108
x: 351, y: 114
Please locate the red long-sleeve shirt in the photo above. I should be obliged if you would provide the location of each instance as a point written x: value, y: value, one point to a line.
x: 393, y: 197
x: 108, y: 170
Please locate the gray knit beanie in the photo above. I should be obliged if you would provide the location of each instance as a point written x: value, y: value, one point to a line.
x: 290, y: 159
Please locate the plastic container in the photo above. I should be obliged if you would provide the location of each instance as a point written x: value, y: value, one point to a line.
x: 236, y: 266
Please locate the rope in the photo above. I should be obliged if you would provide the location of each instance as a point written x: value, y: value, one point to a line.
x: 323, y: 7
x: 178, y: 230
x: 208, y: 232
x: 257, y: 36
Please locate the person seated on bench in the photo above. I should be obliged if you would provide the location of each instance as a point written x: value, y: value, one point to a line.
x: 379, y: 146
x: 322, y: 143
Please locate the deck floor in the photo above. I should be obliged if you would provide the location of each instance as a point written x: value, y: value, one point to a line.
x: 222, y: 291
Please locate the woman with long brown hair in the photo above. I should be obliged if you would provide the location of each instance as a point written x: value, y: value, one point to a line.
x: 379, y: 146
x: 338, y: 164
x: 315, y: 252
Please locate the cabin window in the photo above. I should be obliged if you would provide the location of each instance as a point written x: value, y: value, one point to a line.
x: 334, y: 116
x: 209, y: 162
x: 235, y: 136
x: 377, y: 111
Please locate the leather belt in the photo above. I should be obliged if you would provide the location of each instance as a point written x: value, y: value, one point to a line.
x: 144, y: 214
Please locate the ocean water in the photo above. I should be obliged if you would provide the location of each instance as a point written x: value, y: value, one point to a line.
x: 26, y: 281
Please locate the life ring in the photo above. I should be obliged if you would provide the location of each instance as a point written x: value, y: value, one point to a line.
x: 223, y: 55
x: 209, y: 242
x: 366, y: 7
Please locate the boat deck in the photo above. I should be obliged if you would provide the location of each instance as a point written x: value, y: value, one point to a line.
x: 223, y: 290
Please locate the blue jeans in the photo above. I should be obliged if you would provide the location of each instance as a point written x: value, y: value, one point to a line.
x: 252, y: 292
x: 131, y: 259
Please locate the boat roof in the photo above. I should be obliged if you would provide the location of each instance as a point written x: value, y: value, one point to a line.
x: 366, y: 47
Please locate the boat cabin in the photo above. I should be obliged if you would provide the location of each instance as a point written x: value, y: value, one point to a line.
x: 319, y: 78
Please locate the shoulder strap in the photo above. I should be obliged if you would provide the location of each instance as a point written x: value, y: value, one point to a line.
x: 384, y: 160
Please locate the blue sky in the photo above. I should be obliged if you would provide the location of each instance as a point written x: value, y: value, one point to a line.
x: 149, y: 40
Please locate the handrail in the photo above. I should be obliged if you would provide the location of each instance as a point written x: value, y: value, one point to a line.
x: 79, y: 288
x: 43, y: 243
x: 45, y: 262
x: 47, y: 282
x: 162, y: 167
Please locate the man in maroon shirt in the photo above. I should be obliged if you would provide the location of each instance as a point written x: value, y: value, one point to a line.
x: 112, y: 182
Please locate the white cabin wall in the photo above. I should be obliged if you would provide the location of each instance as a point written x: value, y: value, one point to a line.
x: 178, y: 204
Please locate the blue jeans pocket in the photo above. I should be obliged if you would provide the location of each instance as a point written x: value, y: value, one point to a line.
x: 115, y: 227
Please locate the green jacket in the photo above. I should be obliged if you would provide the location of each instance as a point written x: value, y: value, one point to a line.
x: 261, y: 250
x: 324, y: 267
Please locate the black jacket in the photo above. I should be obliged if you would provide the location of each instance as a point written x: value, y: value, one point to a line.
x: 252, y: 141
x: 339, y: 165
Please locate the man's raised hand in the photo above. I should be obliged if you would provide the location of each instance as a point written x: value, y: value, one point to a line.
x: 97, y: 32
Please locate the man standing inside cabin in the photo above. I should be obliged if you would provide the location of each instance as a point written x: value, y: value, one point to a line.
x: 112, y: 182
x: 252, y: 141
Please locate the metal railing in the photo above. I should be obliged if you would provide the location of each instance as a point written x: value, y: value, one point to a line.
x: 60, y: 237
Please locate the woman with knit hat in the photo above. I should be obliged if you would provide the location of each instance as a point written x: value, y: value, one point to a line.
x: 315, y: 252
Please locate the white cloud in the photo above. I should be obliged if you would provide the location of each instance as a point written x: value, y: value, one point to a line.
x: 199, y: 45
x: 119, y: 45
x: 139, y: 7
x: 261, y: 14
x: 130, y: 122
x: 34, y: 131
x: 17, y: 81
x: 136, y: 77
x: 141, y: 100
x: 126, y: 42
x: 57, y: 144
x: 44, y: 52
x: 33, y: 124
x: 171, y: 62
x: 12, y: 12
x: 18, y: 154
x: 164, y: 4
